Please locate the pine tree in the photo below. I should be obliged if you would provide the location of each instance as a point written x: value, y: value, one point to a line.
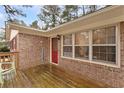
x: 18, y: 22
x: 49, y: 15
x: 69, y: 13
x: 35, y: 24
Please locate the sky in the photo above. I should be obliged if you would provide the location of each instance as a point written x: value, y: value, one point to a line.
x: 31, y: 14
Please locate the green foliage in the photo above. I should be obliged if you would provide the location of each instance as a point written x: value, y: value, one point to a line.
x: 53, y: 15
x: 2, y: 34
x: 49, y: 15
x: 70, y: 12
x: 12, y: 11
x: 35, y: 24
x: 17, y: 21
x: 4, y: 49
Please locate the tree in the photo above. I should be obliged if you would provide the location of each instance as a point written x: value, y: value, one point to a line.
x: 91, y: 8
x: 35, y: 24
x: 3, y: 44
x: 23, y: 23
x: 2, y: 34
x: 82, y: 7
x: 69, y: 13
x: 53, y: 15
x: 50, y: 15
x: 66, y: 15
x: 19, y: 22
x: 4, y: 48
x: 74, y: 13
x: 11, y: 11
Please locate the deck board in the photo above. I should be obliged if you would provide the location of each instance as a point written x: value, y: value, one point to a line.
x: 48, y: 76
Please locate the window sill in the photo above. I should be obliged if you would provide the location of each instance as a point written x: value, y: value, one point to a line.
x: 94, y: 62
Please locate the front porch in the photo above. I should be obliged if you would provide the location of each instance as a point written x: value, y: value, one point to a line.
x: 49, y: 76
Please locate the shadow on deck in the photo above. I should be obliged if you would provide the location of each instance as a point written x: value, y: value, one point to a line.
x: 48, y: 76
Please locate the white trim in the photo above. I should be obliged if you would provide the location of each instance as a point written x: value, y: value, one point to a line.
x: 67, y: 45
x: 58, y: 51
x: 73, y: 47
x: 82, y: 45
x: 104, y: 44
x: 51, y: 52
x: 72, y: 37
x: 85, y: 17
x: 54, y: 63
x: 107, y: 16
x: 73, y: 21
x: 117, y: 45
x: 90, y: 45
x: 27, y: 27
x: 61, y: 45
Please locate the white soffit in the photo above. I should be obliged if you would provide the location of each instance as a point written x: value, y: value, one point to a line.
x: 13, y: 33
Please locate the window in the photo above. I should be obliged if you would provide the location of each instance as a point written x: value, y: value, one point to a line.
x: 67, y: 45
x: 98, y: 45
x: 104, y: 53
x: 104, y: 36
x: 82, y: 52
x: 104, y: 45
x: 82, y: 38
x: 67, y: 40
x: 82, y: 45
x: 67, y: 51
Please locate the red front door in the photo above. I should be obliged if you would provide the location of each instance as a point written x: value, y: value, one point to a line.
x: 54, y: 50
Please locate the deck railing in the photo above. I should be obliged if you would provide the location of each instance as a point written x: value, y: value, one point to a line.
x: 9, y: 57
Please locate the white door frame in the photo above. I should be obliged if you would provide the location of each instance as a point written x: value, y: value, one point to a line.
x: 51, y: 52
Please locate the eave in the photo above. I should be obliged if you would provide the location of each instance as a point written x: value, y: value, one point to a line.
x: 107, y: 16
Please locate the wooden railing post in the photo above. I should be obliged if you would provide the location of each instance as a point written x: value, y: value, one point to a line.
x: 10, y: 57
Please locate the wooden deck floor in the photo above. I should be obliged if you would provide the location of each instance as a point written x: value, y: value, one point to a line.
x: 47, y: 76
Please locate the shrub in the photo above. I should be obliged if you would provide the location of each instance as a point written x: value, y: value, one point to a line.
x: 5, y: 49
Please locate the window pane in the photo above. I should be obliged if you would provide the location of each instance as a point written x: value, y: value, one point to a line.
x: 67, y: 51
x: 99, y: 36
x: 82, y: 52
x: 104, y: 35
x: 110, y: 35
x: 67, y: 39
x: 82, y: 38
x: 104, y: 53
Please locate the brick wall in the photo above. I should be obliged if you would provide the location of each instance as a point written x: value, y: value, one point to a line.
x: 30, y: 55
x: 30, y: 50
x: 111, y: 76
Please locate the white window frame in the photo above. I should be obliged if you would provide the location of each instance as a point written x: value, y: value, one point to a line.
x: 87, y: 45
x: 67, y: 46
x: 117, y: 65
